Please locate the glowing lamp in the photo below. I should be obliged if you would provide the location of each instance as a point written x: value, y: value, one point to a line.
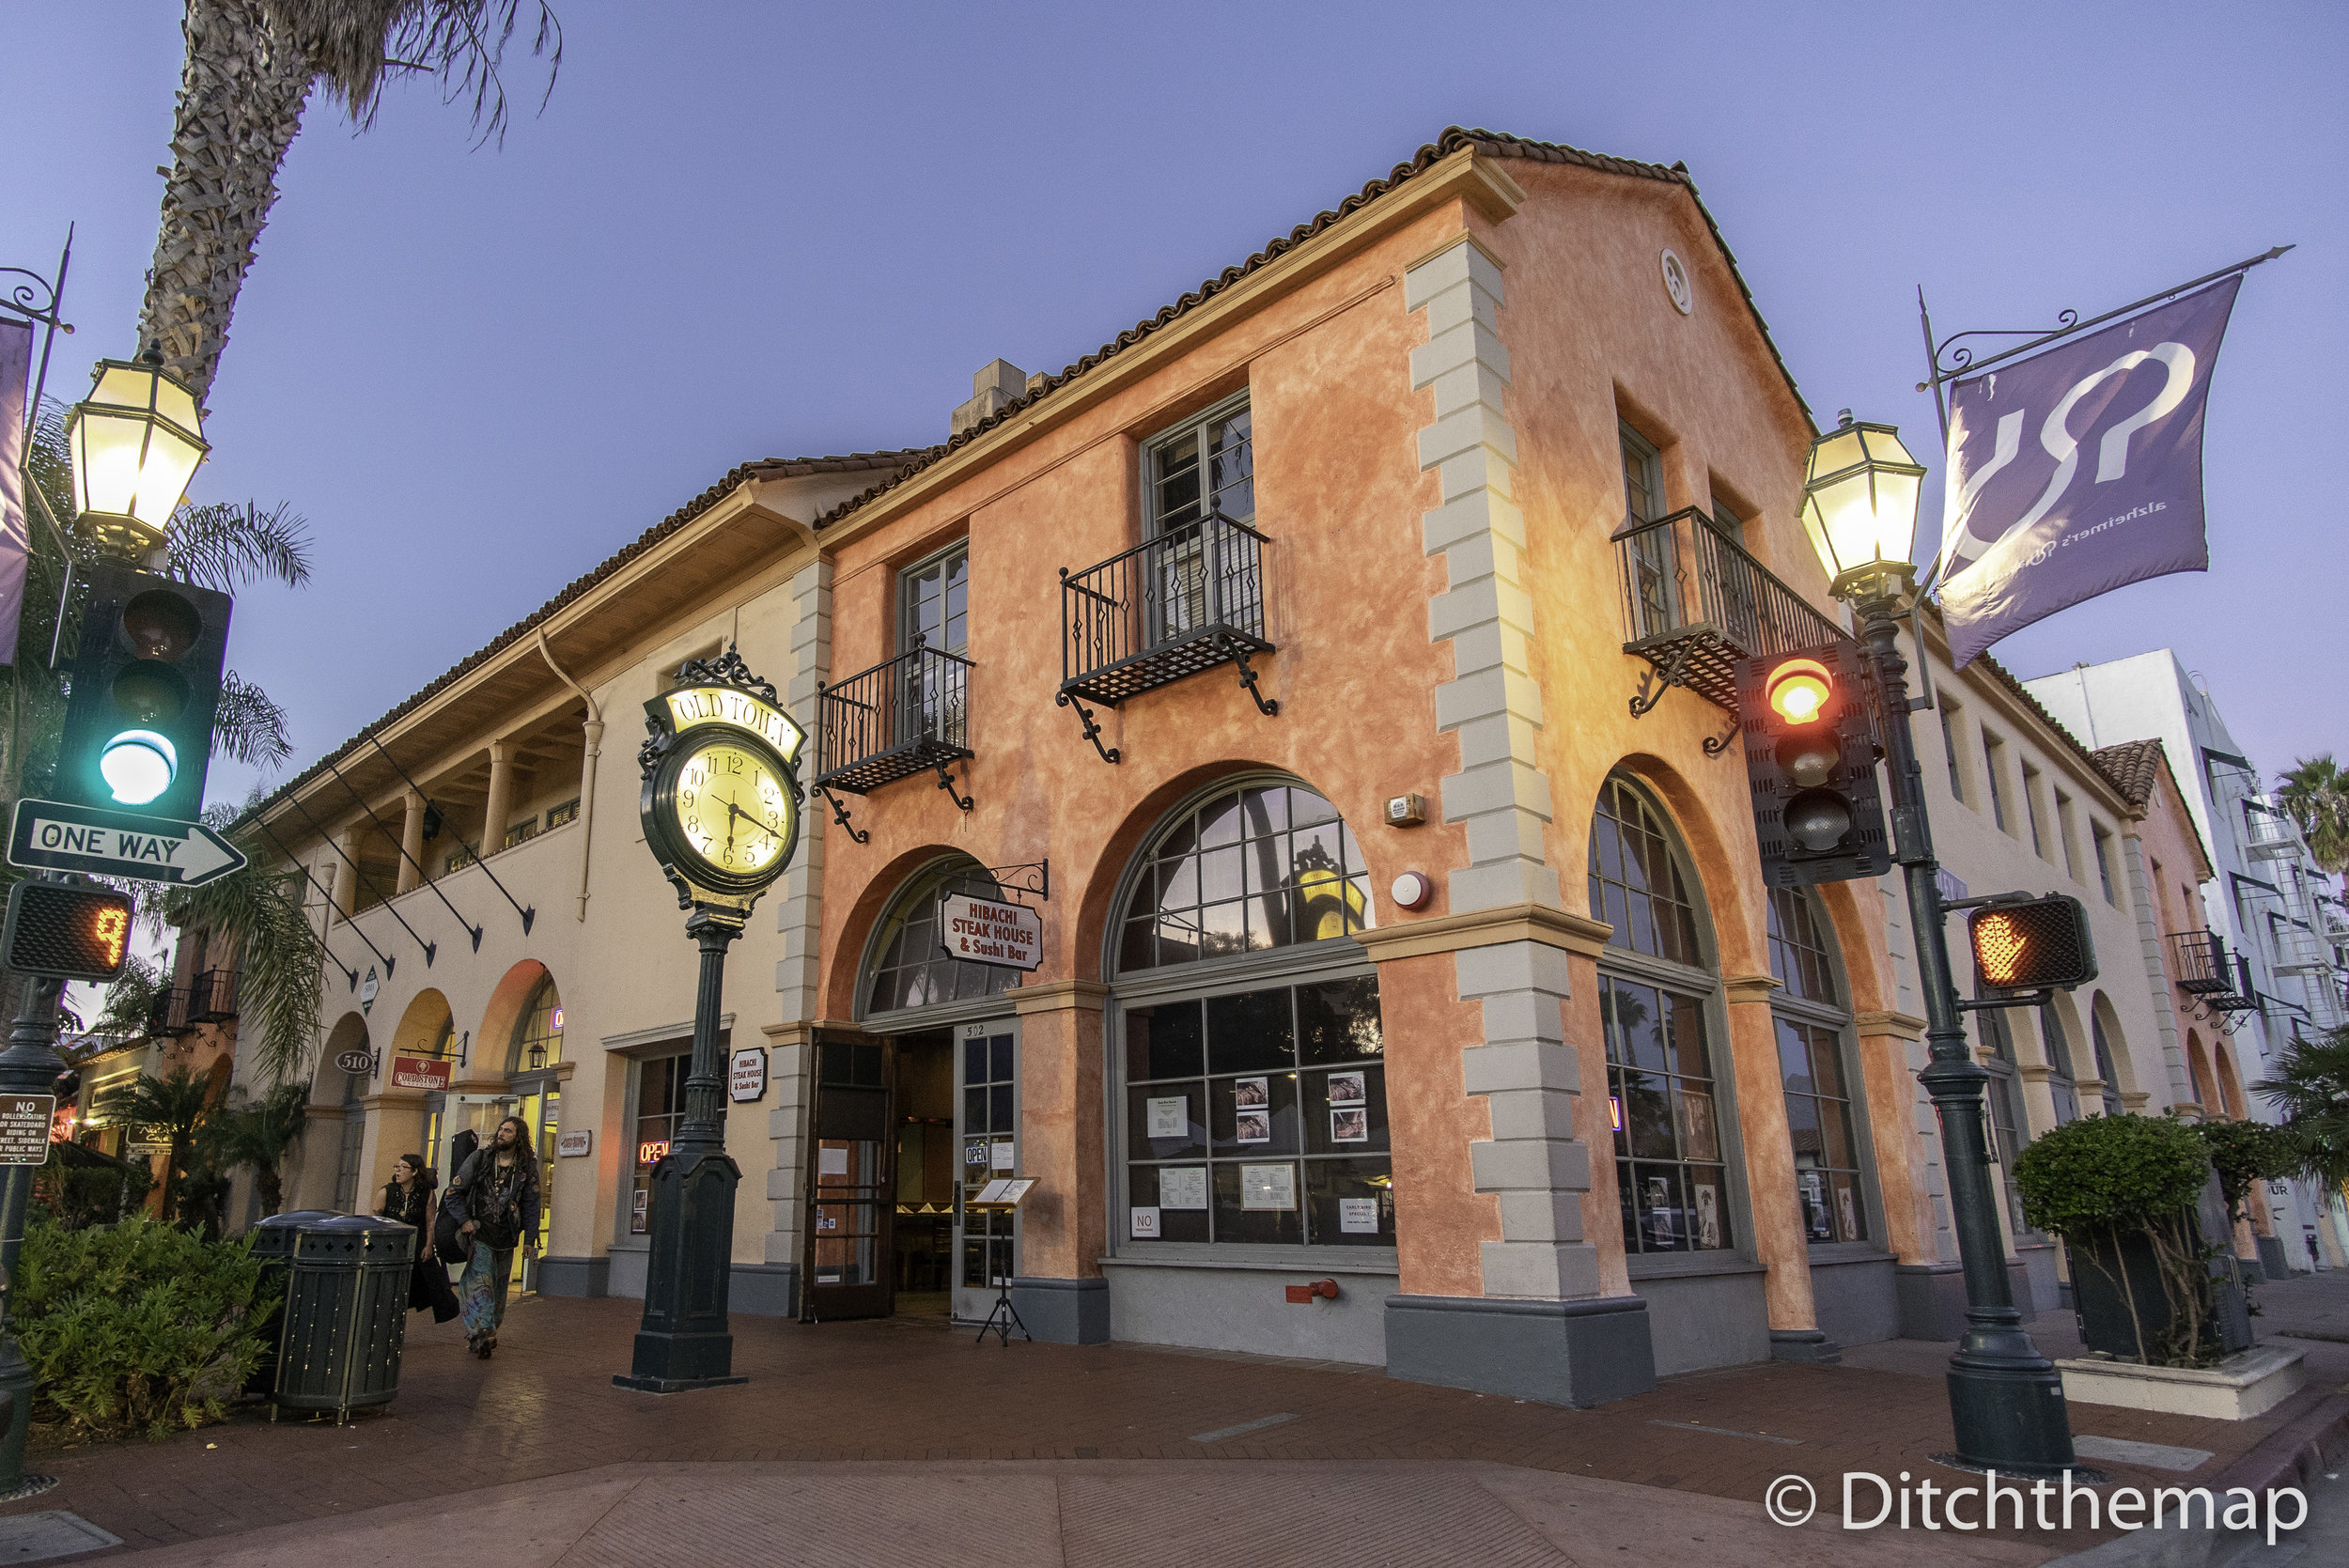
x: 134, y: 442
x: 1799, y: 689
x: 1860, y: 503
x: 137, y: 765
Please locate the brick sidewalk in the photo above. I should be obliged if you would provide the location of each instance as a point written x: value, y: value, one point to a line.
x: 902, y: 1389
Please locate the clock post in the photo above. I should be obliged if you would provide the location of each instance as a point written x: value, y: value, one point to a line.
x: 720, y: 810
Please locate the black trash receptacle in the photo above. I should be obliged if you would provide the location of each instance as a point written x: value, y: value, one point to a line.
x: 273, y: 1245
x: 345, y: 1317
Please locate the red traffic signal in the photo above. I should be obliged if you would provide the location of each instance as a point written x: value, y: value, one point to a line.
x: 1810, y: 744
x: 67, y: 930
x: 2042, y: 944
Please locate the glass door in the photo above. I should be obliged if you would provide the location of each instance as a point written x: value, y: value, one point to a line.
x: 987, y: 1132
x: 852, y: 1188
x: 541, y: 1112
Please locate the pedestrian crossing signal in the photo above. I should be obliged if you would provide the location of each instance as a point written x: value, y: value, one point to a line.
x: 2042, y: 944
x: 67, y: 930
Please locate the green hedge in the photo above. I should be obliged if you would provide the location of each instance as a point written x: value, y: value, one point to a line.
x: 140, y: 1328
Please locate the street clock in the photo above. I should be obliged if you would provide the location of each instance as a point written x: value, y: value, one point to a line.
x: 722, y: 796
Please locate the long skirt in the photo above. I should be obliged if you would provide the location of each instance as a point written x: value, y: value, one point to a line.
x: 481, y: 1289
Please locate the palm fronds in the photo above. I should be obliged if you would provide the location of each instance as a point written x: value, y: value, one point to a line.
x: 227, y: 544
x: 351, y: 44
x: 2316, y: 795
x: 258, y: 909
x: 247, y: 727
x: 2311, y: 1088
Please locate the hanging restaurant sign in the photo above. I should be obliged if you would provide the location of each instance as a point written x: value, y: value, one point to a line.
x: 410, y: 1072
x: 982, y: 931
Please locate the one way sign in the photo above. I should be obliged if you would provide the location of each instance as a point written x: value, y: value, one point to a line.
x: 57, y: 835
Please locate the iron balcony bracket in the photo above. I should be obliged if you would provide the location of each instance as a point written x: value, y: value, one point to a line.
x: 1037, y: 880
x: 1715, y: 745
x: 840, y: 815
x: 1093, y: 731
x: 946, y: 783
x: 1265, y: 706
x: 1657, y: 679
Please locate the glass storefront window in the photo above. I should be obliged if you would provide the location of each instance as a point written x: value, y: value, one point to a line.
x: 659, y: 1111
x: 1670, y: 1171
x: 1810, y: 1023
x: 911, y: 967
x: 1256, y: 868
x: 539, y: 1038
x: 1260, y: 1117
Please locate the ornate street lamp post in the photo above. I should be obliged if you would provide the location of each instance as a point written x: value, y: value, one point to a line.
x: 2006, y: 1400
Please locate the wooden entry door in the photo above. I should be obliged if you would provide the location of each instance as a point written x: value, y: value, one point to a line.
x: 852, y: 1181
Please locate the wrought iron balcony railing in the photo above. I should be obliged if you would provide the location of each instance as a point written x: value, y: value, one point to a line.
x: 1694, y: 602
x: 213, y: 997
x: 2221, y: 981
x: 167, y: 1015
x: 1186, y: 601
x: 904, y: 716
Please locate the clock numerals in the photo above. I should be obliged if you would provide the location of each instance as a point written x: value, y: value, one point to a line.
x: 731, y: 808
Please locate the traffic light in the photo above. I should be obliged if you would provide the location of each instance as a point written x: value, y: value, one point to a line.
x: 138, y: 724
x: 1810, y: 756
x: 2034, y: 944
x: 69, y: 930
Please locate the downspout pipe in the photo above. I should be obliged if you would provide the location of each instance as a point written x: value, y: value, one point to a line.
x: 592, y: 731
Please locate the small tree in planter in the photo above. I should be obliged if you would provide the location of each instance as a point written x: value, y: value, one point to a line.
x: 2121, y: 1191
x: 2245, y: 1154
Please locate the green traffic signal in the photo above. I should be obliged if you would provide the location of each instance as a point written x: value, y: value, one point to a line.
x: 146, y: 683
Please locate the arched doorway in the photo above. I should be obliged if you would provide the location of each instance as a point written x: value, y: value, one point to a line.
x: 533, y: 1069
x: 913, y: 1117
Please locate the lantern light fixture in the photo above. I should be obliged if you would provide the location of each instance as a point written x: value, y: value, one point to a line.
x: 1860, y: 503
x: 135, y: 441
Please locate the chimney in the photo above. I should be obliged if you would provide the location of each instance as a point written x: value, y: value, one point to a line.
x: 998, y: 383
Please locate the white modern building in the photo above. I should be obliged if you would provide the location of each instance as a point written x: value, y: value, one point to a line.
x: 2281, y: 920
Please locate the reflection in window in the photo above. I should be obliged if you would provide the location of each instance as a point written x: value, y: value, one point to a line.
x: 1260, y: 1117
x: 1669, y: 1165
x: 1818, y: 1113
x: 1261, y: 868
x: 538, y: 1038
x: 911, y: 967
x: 1218, y: 450
x: 1797, y: 953
x: 660, y: 1112
x: 1635, y: 885
x: 2063, y: 1083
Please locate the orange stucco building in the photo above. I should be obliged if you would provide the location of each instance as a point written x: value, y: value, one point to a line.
x: 1332, y: 663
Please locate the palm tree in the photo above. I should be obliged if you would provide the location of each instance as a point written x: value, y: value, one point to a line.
x: 2311, y: 1087
x: 258, y: 911
x: 2316, y: 795
x: 250, y: 66
x: 173, y: 1108
x: 261, y: 1135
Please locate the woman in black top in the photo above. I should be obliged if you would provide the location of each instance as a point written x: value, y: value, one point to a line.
x: 408, y: 1198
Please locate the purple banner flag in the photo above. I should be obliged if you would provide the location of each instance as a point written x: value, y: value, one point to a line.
x: 2077, y: 471
x: 15, y: 366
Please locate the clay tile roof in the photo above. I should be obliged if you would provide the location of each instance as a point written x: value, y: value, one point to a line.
x: 2134, y: 767
x: 766, y: 467
x: 1496, y: 144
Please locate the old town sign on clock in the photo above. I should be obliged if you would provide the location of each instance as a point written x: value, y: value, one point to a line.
x: 721, y: 802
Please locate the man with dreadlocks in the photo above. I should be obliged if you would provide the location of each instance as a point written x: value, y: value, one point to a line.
x: 495, y: 1198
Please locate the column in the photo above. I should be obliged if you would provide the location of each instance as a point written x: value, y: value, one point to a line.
x: 411, y: 843
x: 1058, y: 1292
x: 501, y: 803
x: 1779, y: 1237
x: 346, y: 873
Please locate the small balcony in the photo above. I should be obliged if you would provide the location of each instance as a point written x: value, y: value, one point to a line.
x: 2300, y: 951
x: 2271, y: 837
x: 167, y: 1016
x: 1186, y: 601
x: 904, y: 716
x: 2200, y: 965
x: 212, y: 998
x: 1694, y: 602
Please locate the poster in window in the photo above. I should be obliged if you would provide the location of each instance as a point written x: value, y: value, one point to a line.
x: 1250, y: 1092
x: 637, y: 1210
x: 832, y: 1162
x: 1345, y: 1088
x: 1849, y: 1209
x: 1659, y: 1211
x: 1252, y: 1127
x: 1267, y: 1187
x: 1145, y: 1225
x: 1170, y: 1117
x: 1183, y: 1186
x: 1697, y: 1138
x: 1350, y: 1125
x: 1358, y: 1215
x: 1708, y: 1215
x: 1001, y: 1155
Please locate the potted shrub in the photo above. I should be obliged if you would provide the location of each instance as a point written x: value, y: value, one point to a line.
x: 2245, y: 1154
x: 2123, y: 1193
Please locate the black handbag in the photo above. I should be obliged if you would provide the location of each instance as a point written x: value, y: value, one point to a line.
x: 447, y: 1244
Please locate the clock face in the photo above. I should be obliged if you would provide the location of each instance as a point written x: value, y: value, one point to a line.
x: 733, y: 809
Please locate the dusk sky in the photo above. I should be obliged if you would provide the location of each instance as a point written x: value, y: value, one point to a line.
x: 776, y: 230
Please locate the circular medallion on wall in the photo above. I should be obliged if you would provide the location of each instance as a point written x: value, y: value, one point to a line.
x: 1676, y: 284
x: 1412, y: 891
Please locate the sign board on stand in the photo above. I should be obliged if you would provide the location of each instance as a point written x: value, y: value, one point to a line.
x: 983, y: 931
x: 1007, y: 1193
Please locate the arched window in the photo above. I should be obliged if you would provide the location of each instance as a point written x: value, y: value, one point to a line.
x: 1670, y: 1168
x: 2104, y: 1062
x: 909, y: 967
x: 539, y: 1033
x: 2063, y: 1083
x: 1245, y: 871
x: 1812, y: 1024
x: 1254, y: 1094
x: 2007, y: 1125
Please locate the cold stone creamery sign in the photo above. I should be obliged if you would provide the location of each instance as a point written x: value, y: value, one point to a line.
x: 411, y: 1072
x: 979, y: 931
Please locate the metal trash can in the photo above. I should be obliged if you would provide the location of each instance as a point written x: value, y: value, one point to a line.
x: 346, y: 1315
x: 273, y: 1245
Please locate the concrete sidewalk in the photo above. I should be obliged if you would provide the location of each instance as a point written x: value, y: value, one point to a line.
x: 1132, y: 1515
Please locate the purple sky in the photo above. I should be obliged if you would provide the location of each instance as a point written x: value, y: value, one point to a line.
x: 770, y: 230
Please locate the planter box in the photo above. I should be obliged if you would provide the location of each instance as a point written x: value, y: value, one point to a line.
x: 2250, y: 1383
x: 2107, y: 1324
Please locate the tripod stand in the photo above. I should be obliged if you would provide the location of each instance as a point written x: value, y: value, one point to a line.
x: 1002, y: 1320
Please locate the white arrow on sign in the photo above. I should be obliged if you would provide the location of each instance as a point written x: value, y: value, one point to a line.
x: 57, y: 835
